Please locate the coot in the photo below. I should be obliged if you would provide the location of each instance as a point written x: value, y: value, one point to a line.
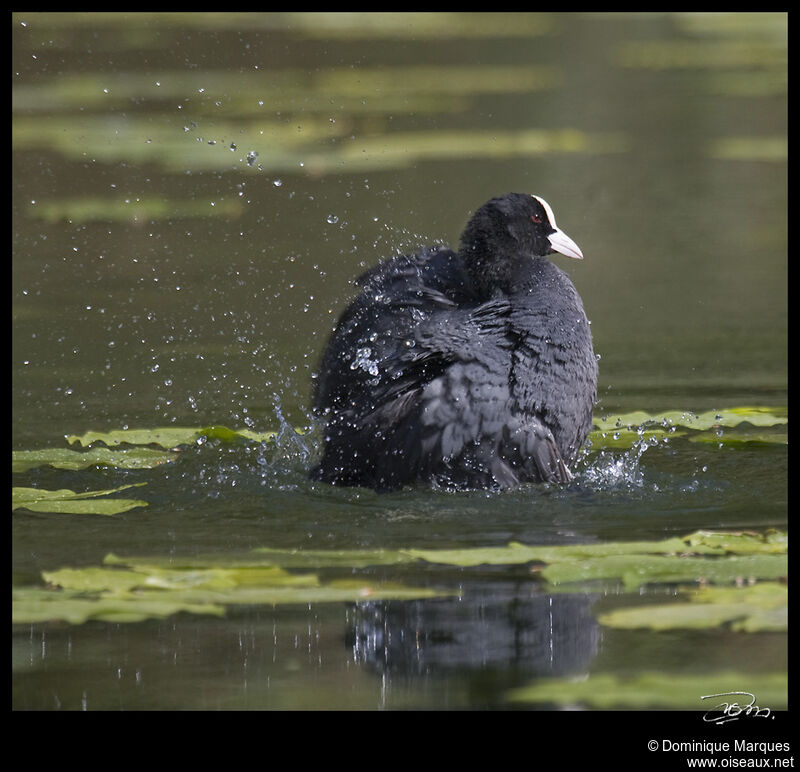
x: 468, y: 369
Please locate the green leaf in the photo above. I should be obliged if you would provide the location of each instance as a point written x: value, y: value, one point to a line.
x: 81, y: 209
x: 208, y: 574
x: 730, y: 426
x: 64, y: 458
x: 169, y: 437
x: 739, y: 437
x: 740, y: 542
x: 70, y: 502
x: 700, y: 557
x: 304, y: 558
x: 656, y: 690
x: 760, y: 607
x: 96, y: 579
x: 769, y: 148
x: 131, y: 589
x: 637, y: 570
x: 30, y: 605
x: 626, y: 438
x: 710, y: 419
x: 699, y: 543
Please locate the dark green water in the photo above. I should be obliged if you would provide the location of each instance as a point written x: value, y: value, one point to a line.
x: 165, y: 275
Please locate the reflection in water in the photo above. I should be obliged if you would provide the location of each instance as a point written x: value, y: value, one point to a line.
x: 507, y: 629
x: 490, y: 641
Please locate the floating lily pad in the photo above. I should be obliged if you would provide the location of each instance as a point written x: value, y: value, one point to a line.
x: 638, y: 570
x: 296, y: 558
x: 211, y: 573
x: 64, y: 458
x: 709, y: 419
x: 403, y: 25
x: 772, y: 542
x: 729, y: 426
x: 704, y: 556
x: 30, y: 605
x: 345, y: 25
x: 90, y: 209
x: 70, y: 502
x: 131, y: 589
x: 621, y: 430
x: 760, y: 607
x: 751, y: 149
x: 317, y: 149
x: 701, y: 54
x: 170, y: 436
x: 626, y: 438
x: 656, y: 690
x: 405, y: 149
x: 700, y: 557
x: 743, y: 438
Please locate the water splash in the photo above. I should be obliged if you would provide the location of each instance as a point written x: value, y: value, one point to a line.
x: 287, y: 433
x: 364, y: 362
x: 615, y: 470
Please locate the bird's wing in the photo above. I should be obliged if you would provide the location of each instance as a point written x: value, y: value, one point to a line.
x: 554, y: 372
x: 366, y: 356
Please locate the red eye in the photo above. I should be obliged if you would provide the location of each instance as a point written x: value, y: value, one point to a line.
x: 536, y: 218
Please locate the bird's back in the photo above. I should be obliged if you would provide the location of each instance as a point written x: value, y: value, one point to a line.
x: 424, y: 378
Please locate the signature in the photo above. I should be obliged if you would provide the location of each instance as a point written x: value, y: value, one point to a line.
x: 732, y: 711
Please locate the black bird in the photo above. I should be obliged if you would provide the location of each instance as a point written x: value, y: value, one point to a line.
x: 468, y: 369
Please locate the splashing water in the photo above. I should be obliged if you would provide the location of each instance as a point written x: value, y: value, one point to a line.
x: 362, y: 360
x: 612, y: 470
x: 287, y: 432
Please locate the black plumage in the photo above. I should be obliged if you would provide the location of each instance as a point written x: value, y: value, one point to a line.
x: 471, y: 369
